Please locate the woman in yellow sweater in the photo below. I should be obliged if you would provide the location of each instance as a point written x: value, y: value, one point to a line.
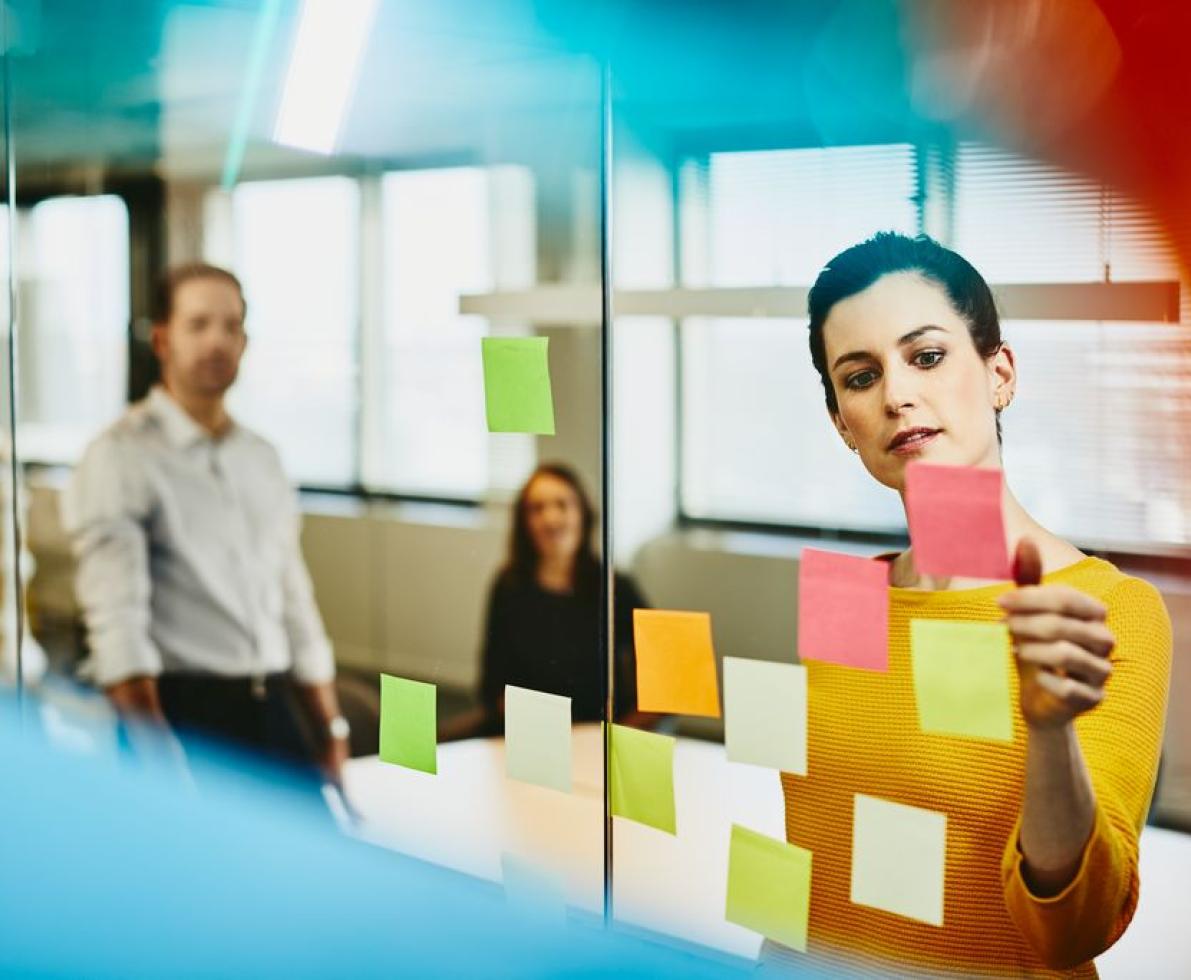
x: 1041, y: 833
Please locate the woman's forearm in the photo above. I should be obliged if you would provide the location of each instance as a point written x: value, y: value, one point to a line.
x: 1058, y: 809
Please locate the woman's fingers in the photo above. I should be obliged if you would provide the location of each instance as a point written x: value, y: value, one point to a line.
x: 1069, y: 659
x: 1061, y: 600
x: 1075, y: 695
x: 1094, y: 637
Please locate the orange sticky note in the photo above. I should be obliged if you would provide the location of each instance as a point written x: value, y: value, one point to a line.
x: 956, y: 524
x: 675, y: 663
x: 843, y: 609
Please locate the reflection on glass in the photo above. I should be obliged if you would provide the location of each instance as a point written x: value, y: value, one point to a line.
x: 73, y: 295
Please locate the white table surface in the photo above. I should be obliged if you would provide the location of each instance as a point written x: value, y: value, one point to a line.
x: 469, y: 814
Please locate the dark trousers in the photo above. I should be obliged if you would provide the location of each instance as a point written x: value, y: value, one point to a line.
x: 260, y: 715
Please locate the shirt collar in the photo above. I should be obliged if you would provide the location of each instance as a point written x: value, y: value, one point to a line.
x: 181, y: 431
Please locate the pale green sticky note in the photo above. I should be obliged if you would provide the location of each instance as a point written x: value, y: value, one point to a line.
x: 961, y: 678
x: 538, y: 738
x: 899, y: 858
x: 769, y: 887
x: 534, y: 893
x: 765, y: 714
x: 408, y: 723
x: 643, y: 777
x: 517, y: 385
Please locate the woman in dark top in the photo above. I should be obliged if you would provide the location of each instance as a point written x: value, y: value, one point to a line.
x: 545, y: 611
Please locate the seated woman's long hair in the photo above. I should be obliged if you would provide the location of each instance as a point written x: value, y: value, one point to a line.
x: 521, y: 563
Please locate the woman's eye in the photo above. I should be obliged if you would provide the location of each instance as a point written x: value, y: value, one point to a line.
x: 928, y: 358
x: 860, y: 380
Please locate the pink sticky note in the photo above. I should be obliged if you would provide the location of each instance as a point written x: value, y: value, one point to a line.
x: 956, y: 527
x: 843, y: 609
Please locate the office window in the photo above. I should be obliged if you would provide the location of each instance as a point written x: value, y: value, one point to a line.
x: 756, y: 442
x: 73, y: 302
x: 1095, y: 441
x: 1021, y: 220
x: 446, y: 232
x: 294, y: 244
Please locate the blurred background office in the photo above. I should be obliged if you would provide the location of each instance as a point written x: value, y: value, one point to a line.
x: 392, y: 181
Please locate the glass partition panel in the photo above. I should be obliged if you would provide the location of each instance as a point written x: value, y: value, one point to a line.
x: 807, y: 810
x: 20, y: 660
x: 408, y: 199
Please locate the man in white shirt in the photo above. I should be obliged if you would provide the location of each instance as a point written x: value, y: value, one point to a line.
x: 199, y: 608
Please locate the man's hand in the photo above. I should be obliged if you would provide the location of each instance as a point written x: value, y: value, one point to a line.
x: 335, y: 753
x: 1060, y: 642
x: 324, y: 706
x: 137, y: 697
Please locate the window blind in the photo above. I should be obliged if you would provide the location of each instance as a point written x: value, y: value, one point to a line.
x: 1095, y: 442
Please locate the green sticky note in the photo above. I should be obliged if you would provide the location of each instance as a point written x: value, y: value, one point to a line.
x: 769, y: 887
x: 538, y: 738
x: 408, y: 724
x: 517, y: 385
x: 961, y: 678
x: 643, y: 777
x: 899, y: 858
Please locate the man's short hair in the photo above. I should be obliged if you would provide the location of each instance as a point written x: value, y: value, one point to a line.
x: 171, y: 282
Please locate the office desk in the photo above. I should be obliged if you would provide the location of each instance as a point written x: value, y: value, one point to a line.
x: 469, y: 814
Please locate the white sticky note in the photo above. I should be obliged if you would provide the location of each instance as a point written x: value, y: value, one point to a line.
x: 533, y: 893
x: 538, y: 738
x: 898, y: 858
x: 765, y: 714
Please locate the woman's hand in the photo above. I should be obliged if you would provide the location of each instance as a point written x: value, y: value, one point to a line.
x: 1061, y: 644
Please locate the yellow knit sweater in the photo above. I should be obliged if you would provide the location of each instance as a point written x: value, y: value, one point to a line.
x: 864, y: 738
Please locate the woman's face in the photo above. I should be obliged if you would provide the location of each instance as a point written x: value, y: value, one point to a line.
x: 909, y: 383
x: 554, y: 517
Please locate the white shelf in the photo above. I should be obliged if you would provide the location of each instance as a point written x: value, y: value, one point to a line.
x: 579, y: 305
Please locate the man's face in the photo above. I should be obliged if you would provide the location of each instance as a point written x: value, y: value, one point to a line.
x: 201, y: 345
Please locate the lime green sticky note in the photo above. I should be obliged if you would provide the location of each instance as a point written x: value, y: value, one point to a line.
x: 517, y: 385
x: 769, y: 887
x: 643, y: 777
x: 961, y: 678
x: 408, y: 724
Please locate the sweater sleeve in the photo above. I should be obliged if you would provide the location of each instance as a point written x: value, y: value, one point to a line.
x: 1121, y: 740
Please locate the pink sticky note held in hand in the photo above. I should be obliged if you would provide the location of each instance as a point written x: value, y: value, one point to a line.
x: 956, y: 524
x: 843, y: 609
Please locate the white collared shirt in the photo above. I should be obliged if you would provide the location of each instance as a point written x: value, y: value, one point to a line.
x: 188, y: 552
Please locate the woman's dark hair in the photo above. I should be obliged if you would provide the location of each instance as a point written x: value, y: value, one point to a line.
x: 521, y: 565
x: 858, y: 267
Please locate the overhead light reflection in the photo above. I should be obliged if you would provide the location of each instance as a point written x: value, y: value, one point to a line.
x: 323, y: 67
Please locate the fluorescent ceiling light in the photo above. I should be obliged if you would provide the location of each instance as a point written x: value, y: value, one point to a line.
x: 322, y: 72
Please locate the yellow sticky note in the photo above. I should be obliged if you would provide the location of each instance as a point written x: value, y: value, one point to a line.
x: 961, y: 678
x: 675, y: 662
x: 642, y: 765
x: 899, y: 858
x: 538, y: 738
x: 769, y: 887
x: 765, y: 714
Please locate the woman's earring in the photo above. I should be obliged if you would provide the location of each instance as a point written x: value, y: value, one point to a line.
x: 853, y: 447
